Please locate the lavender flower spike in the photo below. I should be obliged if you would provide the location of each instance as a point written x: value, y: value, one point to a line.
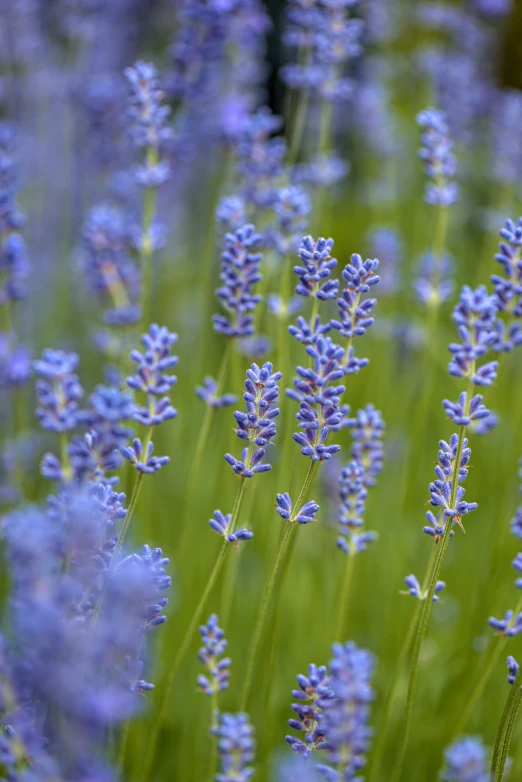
x: 221, y: 524
x: 441, y: 487
x: 151, y: 375
x: 58, y: 391
x: 235, y: 747
x: 208, y: 393
x: 214, y: 644
x: 317, y: 264
x: 415, y: 589
x: 312, y: 689
x: 305, y: 514
x: 257, y: 425
x: 439, y: 162
x: 512, y: 669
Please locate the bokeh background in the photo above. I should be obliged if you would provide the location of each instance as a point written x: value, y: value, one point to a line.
x: 63, y: 93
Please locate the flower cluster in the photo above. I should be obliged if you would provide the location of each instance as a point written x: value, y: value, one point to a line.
x: 415, y: 589
x: 366, y: 428
x: 214, y: 644
x: 315, y: 269
x: 209, y: 393
x: 475, y: 315
x: 353, y: 494
x: 222, y: 524
x: 58, y: 390
x: 257, y: 425
x: 151, y: 376
x: 329, y: 38
x: 513, y: 668
x: 107, y: 265
x: 313, y: 690
x: 344, y: 719
x: 355, y: 315
x: 439, y: 162
x: 441, y: 489
x: 260, y: 158
x: 466, y: 761
x: 508, y: 288
x: 236, y: 745
x: 148, y: 117
x: 304, y: 514
x: 14, y: 263
x: 239, y: 275
x: 291, y: 208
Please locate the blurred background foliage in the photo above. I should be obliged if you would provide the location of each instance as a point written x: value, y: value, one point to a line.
x: 61, y: 87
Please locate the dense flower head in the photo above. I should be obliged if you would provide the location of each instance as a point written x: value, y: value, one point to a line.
x: 217, y: 673
x: 512, y: 669
x: 415, y: 589
x: 344, y: 719
x: 509, y: 626
x: 461, y: 414
x: 209, y: 393
x: 260, y: 157
x: 58, y: 390
x: 151, y: 376
x: 434, y: 280
x: 316, y: 384
x: 257, y: 425
x: 222, y: 524
x: 439, y: 162
x: 312, y: 687
x: 353, y: 493
x: 466, y: 760
x: 141, y: 457
x: 316, y: 266
x: 88, y: 669
x: 14, y: 262
x: 148, y: 117
x: 240, y: 262
x: 508, y: 288
x: 355, y: 316
x: 236, y: 745
x: 441, y: 488
x: 366, y: 428
x: 107, y: 264
x: 303, y: 515
x: 291, y: 207
x: 330, y: 39
x: 475, y: 315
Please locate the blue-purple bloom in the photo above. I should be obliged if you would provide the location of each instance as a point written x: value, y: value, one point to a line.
x: 442, y: 487
x: 304, y: 515
x: 353, y: 493
x: 386, y: 244
x: 236, y: 745
x: 209, y: 393
x: 439, y: 162
x: 217, y: 673
x: 508, y: 288
x: 512, y: 669
x: 415, y: 589
x: 221, y: 524
x: 239, y: 275
x: 509, y: 626
x: 257, y: 425
x: 366, y: 428
x: 475, y: 315
x: 151, y: 376
x: 291, y: 208
x: 461, y: 414
x: 315, y: 269
x: 344, y: 719
x: 466, y: 761
x: 14, y: 262
x: 313, y: 688
x: 58, y: 390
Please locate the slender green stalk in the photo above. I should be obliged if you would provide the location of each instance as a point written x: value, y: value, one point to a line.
x: 149, y: 210
x: 201, y: 446
x: 122, y: 749
x: 213, y: 748
x: 505, y: 730
x: 187, y: 639
x: 471, y: 703
x: 384, y: 722
x: 345, y: 593
x: 425, y: 615
x: 267, y: 594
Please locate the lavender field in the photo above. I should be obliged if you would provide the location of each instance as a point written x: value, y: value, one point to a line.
x: 260, y: 390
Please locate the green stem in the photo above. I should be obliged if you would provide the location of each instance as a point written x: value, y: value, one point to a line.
x: 267, y: 594
x: 298, y: 127
x: 345, y: 592
x: 185, y: 645
x: 213, y: 739
x: 505, y: 730
x: 149, y: 210
x: 123, y: 745
x: 425, y: 615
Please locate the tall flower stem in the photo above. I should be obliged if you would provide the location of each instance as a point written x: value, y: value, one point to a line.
x: 213, y: 739
x: 426, y: 613
x: 187, y: 639
x: 471, y: 702
x: 384, y: 722
x: 149, y: 210
x: 201, y: 446
x: 267, y: 594
x: 345, y: 593
x: 505, y: 730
